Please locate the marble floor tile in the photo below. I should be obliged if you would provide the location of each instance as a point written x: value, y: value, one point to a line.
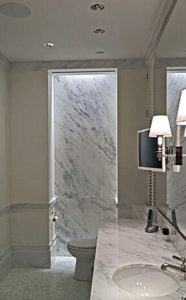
x: 56, y: 283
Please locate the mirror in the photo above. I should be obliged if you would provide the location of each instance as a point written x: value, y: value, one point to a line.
x: 171, y: 65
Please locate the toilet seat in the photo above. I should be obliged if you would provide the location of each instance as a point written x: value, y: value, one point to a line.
x: 82, y: 244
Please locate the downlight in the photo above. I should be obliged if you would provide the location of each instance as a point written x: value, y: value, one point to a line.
x: 100, y: 52
x: 48, y: 45
x: 97, y: 7
x: 15, y: 10
x: 99, y: 31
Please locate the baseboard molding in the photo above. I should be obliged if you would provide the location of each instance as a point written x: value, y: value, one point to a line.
x: 5, y: 263
x: 24, y: 256
x: 31, y: 256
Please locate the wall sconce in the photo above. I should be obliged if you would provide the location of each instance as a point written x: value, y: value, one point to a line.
x: 160, y: 128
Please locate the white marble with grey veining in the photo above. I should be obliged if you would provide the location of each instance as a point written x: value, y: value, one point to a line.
x: 85, y: 154
x: 125, y: 242
x: 79, y: 64
x: 175, y: 62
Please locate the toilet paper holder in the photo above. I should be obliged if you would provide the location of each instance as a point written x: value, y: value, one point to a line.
x: 55, y: 217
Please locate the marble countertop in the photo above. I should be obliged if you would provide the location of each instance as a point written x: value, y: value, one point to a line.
x: 125, y: 242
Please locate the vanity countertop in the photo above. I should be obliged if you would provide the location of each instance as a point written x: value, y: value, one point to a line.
x: 124, y: 242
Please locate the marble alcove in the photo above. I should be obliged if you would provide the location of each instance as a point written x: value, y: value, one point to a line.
x: 85, y: 134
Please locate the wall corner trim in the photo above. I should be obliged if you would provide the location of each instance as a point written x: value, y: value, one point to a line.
x: 4, y: 61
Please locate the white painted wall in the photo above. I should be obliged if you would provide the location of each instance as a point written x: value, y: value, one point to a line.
x: 5, y: 236
x: 4, y: 135
x: 132, y: 108
x: 29, y: 108
x: 29, y: 157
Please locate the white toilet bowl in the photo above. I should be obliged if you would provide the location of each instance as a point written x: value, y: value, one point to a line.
x: 84, y: 252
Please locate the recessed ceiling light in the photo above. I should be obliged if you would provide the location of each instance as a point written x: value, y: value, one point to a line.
x: 99, y: 30
x: 49, y: 45
x: 16, y: 10
x: 100, y: 52
x: 97, y: 7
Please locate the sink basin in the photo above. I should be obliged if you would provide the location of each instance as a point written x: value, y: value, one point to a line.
x: 145, y: 281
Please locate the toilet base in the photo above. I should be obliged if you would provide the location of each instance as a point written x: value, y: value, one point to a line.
x: 84, y: 270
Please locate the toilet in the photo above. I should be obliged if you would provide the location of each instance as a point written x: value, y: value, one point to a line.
x: 84, y: 252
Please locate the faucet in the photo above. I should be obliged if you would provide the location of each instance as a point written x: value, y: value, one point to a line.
x: 181, y: 268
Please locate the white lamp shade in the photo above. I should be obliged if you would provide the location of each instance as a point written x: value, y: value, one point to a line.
x: 181, y: 115
x: 160, y: 127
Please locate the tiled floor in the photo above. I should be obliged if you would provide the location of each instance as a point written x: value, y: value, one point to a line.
x: 45, y: 284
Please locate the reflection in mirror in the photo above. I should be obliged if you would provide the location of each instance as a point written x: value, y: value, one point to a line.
x: 171, y: 56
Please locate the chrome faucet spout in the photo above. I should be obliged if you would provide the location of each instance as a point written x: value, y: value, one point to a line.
x: 165, y: 266
x: 181, y: 268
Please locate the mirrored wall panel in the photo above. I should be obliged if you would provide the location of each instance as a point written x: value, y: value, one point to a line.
x: 171, y: 68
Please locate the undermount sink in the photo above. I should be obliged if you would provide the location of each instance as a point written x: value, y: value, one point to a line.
x: 145, y: 281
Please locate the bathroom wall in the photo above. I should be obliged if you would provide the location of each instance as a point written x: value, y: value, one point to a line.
x: 30, y: 106
x: 85, y: 154
x: 132, y: 116
x: 29, y: 168
x: 5, y: 234
x: 176, y: 188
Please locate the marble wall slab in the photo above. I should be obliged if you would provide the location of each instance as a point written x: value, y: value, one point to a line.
x: 79, y: 64
x: 176, y: 183
x: 85, y: 154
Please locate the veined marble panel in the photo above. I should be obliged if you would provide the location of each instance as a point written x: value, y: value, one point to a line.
x: 85, y: 154
x: 79, y: 64
x: 176, y: 184
x: 172, y: 62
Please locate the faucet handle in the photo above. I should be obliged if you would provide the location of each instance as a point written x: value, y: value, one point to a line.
x: 182, y: 259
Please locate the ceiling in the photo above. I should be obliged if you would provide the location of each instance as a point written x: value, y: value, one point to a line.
x: 69, y: 24
x: 173, y: 41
